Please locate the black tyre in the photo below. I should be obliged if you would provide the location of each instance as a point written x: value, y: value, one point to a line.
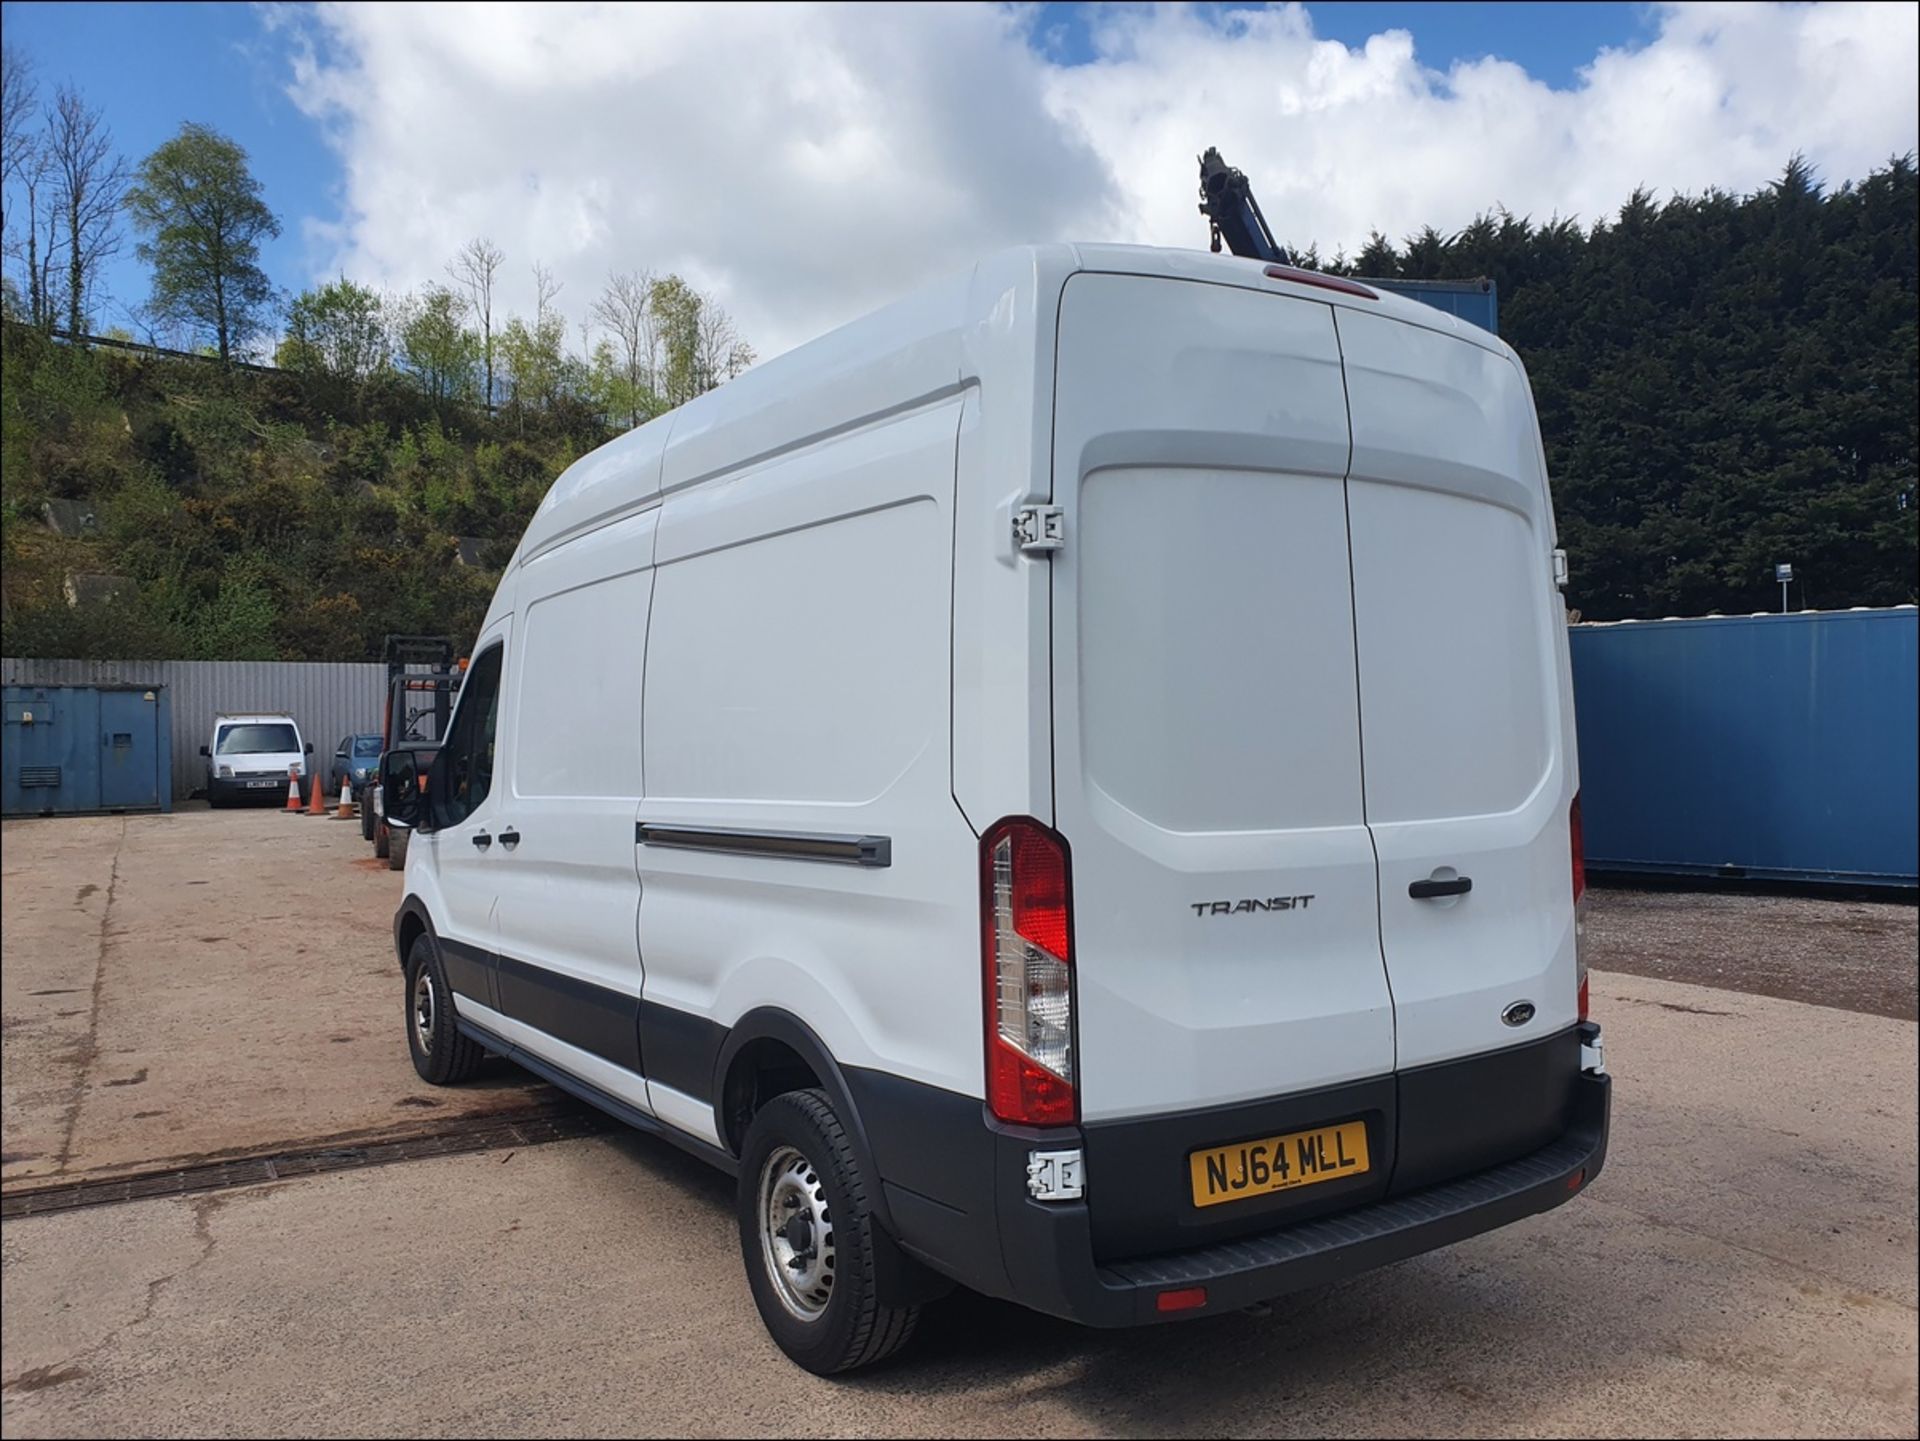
x: 808, y: 1236
x: 365, y: 800
x: 440, y: 1053
x: 382, y: 840
x: 397, y: 849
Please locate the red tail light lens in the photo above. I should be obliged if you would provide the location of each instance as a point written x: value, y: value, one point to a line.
x: 1027, y: 944
x: 1325, y: 282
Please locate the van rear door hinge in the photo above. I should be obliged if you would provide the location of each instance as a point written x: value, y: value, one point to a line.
x: 1039, y: 528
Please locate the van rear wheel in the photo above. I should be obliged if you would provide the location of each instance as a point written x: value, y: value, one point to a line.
x: 807, y: 1235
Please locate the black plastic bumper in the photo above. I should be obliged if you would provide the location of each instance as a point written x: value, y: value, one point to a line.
x: 1048, y: 1248
x: 955, y: 1189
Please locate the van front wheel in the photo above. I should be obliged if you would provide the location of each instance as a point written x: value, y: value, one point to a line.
x: 440, y: 1053
x: 807, y: 1234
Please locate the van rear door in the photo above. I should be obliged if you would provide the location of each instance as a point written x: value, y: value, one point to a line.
x: 1206, y: 714
x: 1465, y: 706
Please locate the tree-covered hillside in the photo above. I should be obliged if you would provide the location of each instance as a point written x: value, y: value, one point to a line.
x: 253, y: 515
x: 1723, y: 382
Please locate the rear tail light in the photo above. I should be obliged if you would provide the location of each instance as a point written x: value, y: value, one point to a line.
x: 1027, y: 939
x: 1190, y: 1298
x: 1579, y: 901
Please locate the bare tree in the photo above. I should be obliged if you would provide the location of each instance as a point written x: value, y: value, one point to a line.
x: 625, y: 308
x: 17, y: 96
x: 42, y: 226
x: 722, y: 354
x: 545, y: 290
x: 89, y: 182
x: 474, y: 269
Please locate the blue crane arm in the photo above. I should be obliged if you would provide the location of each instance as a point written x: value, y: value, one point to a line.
x: 1226, y: 199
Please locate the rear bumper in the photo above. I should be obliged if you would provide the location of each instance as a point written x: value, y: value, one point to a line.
x: 955, y: 1186
x: 1048, y: 1247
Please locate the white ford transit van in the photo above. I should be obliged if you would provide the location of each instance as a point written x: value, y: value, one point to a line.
x: 1065, y: 786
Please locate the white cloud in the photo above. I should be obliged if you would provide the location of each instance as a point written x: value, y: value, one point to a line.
x: 807, y: 163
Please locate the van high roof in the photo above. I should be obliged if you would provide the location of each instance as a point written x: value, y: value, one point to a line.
x: 999, y: 316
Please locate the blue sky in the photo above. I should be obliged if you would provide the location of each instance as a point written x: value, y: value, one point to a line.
x: 868, y: 149
x: 152, y: 66
x: 1552, y: 41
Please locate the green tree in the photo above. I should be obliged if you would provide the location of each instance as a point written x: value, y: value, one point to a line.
x: 199, y: 207
x: 339, y: 330
x: 436, y: 347
x: 533, y: 359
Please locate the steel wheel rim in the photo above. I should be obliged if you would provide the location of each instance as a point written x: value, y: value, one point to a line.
x: 796, y: 1233
x: 423, y: 1010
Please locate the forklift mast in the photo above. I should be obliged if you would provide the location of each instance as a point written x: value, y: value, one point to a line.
x: 421, y: 684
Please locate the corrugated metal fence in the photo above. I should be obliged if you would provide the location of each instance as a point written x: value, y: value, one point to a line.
x: 328, y: 700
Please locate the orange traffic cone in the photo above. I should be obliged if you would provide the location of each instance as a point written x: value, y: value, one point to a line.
x: 345, y: 812
x: 319, y: 804
x: 293, y: 791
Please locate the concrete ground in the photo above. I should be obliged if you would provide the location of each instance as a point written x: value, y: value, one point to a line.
x: 203, y: 983
x: 1746, y: 1265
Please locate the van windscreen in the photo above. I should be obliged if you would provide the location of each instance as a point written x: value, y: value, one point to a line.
x: 255, y: 738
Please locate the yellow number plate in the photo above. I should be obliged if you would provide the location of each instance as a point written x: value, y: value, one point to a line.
x: 1279, y: 1163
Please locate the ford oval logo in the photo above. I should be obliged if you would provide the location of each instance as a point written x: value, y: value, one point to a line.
x: 1518, y: 1014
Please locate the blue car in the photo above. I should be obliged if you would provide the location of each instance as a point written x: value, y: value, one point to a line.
x: 355, y: 760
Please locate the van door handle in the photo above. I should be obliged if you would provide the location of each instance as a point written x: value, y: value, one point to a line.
x: 1430, y: 890
x: 509, y: 839
x: 482, y: 839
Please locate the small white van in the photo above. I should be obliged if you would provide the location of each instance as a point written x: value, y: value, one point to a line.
x: 1065, y: 786
x: 250, y: 756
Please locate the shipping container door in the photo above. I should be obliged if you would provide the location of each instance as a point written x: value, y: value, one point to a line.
x: 129, y: 755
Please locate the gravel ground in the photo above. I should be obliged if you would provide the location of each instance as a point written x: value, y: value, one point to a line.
x: 1853, y: 954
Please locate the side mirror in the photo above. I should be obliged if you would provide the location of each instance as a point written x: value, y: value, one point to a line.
x: 205, y: 752
x: 309, y: 747
x: 400, y: 799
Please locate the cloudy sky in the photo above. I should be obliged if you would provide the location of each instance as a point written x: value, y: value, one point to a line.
x: 807, y: 163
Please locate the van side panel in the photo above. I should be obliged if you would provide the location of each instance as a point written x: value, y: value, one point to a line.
x: 1466, y: 704
x: 797, y: 685
x: 569, y: 961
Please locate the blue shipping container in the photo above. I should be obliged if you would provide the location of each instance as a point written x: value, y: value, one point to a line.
x: 69, y: 749
x: 1775, y: 746
x: 1476, y: 301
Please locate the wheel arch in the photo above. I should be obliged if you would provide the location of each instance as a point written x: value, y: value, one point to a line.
x: 760, y: 1043
x: 411, y: 922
